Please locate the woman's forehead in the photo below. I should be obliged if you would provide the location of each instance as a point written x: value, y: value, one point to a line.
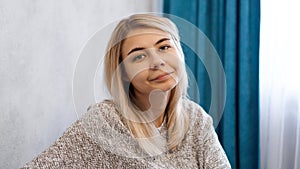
x: 146, y: 31
x: 143, y: 38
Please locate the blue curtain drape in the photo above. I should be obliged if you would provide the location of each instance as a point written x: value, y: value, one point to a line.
x: 233, y: 28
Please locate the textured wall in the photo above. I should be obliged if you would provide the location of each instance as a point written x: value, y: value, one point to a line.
x: 39, y: 44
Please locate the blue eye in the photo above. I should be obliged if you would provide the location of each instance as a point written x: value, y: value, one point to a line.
x: 164, y: 47
x: 138, y: 58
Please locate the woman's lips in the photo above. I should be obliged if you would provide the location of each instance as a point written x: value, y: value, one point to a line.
x: 162, y: 77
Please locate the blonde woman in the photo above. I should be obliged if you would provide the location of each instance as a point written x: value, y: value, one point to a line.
x: 150, y: 122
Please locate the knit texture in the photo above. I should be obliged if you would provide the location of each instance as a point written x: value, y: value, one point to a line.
x: 100, y: 139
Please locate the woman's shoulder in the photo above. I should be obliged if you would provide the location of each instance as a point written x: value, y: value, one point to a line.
x: 105, y: 105
x: 104, y: 114
x: 194, y: 108
x: 106, y: 109
x: 197, y: 115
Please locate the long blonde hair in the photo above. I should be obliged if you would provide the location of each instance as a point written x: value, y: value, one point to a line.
x: 176, y: 120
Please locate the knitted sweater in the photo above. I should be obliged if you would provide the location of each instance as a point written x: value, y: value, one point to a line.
x: 100, y: 139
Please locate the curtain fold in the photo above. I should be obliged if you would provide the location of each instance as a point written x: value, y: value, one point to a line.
x: 233, y: 28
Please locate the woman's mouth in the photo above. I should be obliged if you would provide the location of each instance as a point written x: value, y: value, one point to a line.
x: 162, y: 77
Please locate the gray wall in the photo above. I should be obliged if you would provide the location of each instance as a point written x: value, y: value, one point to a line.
x: 39, y: 45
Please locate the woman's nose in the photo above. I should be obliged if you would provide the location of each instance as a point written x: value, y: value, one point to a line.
x: 156, y: 61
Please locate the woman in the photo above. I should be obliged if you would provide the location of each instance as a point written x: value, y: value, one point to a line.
x: 150, y: 123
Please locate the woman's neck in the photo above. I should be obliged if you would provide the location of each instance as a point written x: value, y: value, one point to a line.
x: 155, y: 102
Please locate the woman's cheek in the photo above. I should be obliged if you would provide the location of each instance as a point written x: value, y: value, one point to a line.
x: 133, y: 69
x: 174, y: 61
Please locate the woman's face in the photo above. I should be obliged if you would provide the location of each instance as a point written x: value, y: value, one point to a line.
x: 151, y: 60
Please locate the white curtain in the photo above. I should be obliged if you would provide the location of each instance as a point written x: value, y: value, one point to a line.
x: 280, y: 84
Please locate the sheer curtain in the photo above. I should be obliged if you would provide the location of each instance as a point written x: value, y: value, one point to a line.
x: 280, y: 84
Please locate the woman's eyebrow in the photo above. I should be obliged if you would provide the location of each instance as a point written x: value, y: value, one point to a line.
x: 135, y: 49
x: 140, y: 48
x: 161, y: 40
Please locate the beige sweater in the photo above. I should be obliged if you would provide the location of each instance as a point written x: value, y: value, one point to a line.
x: 100, y: 140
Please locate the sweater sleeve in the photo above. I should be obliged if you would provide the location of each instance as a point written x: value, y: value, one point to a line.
x: 72, y: 149
x: 78, y: 148
x: 214, y: 156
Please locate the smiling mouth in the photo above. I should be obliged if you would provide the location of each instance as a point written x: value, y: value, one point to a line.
x: 162, y: 77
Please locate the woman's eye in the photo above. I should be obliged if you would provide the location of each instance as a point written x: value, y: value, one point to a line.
x: 138, y: 58
x: 165, y: 47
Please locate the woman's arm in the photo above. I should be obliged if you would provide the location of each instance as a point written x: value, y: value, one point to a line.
x: 213, y: 155
x: 72, y: 149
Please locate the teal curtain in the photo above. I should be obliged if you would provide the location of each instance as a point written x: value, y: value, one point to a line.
x: 232, y: 26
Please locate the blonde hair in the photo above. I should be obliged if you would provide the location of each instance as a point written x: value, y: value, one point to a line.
x: 176, y: 120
